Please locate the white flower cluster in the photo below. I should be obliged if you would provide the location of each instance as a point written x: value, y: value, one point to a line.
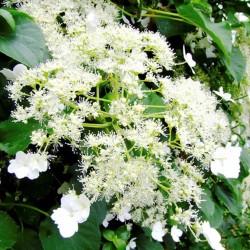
x: 108, y: 76
x: 200, y: 126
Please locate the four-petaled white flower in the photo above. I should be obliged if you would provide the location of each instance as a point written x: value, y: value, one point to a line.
x: 11, y: 75
x: 226, y: 161
x: 188, y: 58
x: 124, y: 214
x: 158, y: 232
x: 28, y: 165
x: 108, y: 218
x: 224, y: 96
x: 144, y: 21
x: 74, y: 209
x: 131, y: 244
x: 212, y: 236
x: 176, y: 233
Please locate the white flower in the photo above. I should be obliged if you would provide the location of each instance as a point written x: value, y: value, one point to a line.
x: 74, y: 209
x: 78, y: 206
x: 91, y: 22
x: 28, y: 165
x: 11, y: 75
x: 176, y: 233
x: 241, y: 17
x: 226, y: 161
x: 224, y: 96
x: 108, y: 218
x: 158, y: 232
x: 188, y: 58
x: 212, y: 236
x: 125, y: 20
x: 66, y: 223
x: 124, y: 214
x: 210, y: 52
x: 131, y: 244
x: 144, y: 21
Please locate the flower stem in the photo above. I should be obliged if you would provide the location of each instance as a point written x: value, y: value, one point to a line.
x: 25, y: 206
x: 95, y: 125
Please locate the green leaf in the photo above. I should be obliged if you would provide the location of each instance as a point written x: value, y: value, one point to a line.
x: 7, y: 22
x: 88, y: 236
x: 234, y: 243
x: 123, y: 233
x: 109, y: 235
x: 120, y: 244
x: 28, y: 240
x: 29, y: 216
x: 144, y: 243
x: 110, y: 96
x: 168, y: 27
x: 219, y: 32
x: 245, y: 159
x: 217, y: 218
x: 8, y: 231
x: 27, y: 44
x: 108, y: 246
x: 15, y: 136
x: 237, y: 64
x: 228, y: 200
x: 207, y: 205
x: 203, y: 5
x: 150, y: 98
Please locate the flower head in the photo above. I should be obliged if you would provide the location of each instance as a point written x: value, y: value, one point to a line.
x: 176, y: 233
x: 158, y: 232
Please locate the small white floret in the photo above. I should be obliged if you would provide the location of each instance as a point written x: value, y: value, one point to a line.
x: 212, y: 236
x: 28, y: 165
x: 176, y: 233
x: 108, y: 218
x: 74, y: 209
x: 226, y: 161
x: 124, y: 214
x: 158, y: 232
x: 131, y: 244
x: 224, y: 96
x: 188, y: 58
x: 66, y: 224
x: 11, y: 75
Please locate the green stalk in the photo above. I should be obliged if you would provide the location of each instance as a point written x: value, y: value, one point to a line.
x: 25, y: 206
